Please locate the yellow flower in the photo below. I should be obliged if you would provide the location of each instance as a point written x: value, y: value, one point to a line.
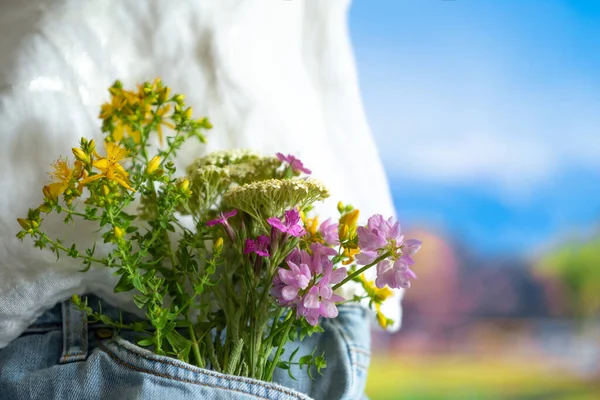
x: 160, y: 113
x: 350, y: 218
x: 382, y: 319
x: 153, y: 165
x: 376, y: 294
x: 350, y: 253
x: 117, y: 102
x: 110, y: 166
x: 61, y: 175
x: 119, y: 232
x: 218, y: 246
x: 122, y: 129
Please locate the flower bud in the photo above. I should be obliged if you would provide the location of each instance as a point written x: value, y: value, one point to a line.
x: 188, y: 113
x: 49, y: 194
x: 164, y: 94
x: 179, y: 99
x: 184, y: 185
x: 153, y: 165
x: 45, y: 208
x: 343, y: 232
x: 80, y: 155
x: 119, y: 232
x: 218, y: 246
x: 24, y: 223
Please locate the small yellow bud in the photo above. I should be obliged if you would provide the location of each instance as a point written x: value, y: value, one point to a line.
x: 340, y: 207
x: 343, y: 232
x: 179, y: 99
x: 350, y: 218
x: 76, y: 299
x: 164, y: 94
x: 92, y: 146
x: 184, y: 185
x: 383, y: 321
x: 45, y: 208
x: 80, y: 155
x: 153, y: 165
x: 49, y: 193
x: 188, y: 113
x: 105, y: 190
x: 218, y: 246
x: 24, y: 223
x: 119, y: 233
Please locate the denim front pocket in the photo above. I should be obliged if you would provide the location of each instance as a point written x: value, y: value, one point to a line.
x: 140, y: 373
x: 346, y: 343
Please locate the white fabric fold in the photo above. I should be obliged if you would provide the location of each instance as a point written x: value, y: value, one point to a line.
x: 271, y: 76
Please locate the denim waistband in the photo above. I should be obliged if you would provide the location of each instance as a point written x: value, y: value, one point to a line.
x: 81, y: 346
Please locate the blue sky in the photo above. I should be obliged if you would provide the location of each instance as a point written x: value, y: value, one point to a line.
x: 487, y: 115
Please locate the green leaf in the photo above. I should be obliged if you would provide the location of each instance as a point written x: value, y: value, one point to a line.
x: 305, y: 360
x: 124, y: 285
x: 140, y: 300
x: 145, y: 342
x: 294, y: 354
x: 137, y: 283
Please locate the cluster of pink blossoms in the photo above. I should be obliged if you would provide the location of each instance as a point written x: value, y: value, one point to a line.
x: 382, y: 236
x: 307, y: 284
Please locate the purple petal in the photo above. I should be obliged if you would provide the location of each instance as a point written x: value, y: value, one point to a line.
x: 338, y: 275
x: 366, y: 257
x: 276, y: 223
x: 289, y: 293
x: 229, y: 214
x: 411, y: 246
x: 336, y: 298
x: 249, y: 248
x: 311, y: 300
x: 282, y: 158
x: 328, y: 309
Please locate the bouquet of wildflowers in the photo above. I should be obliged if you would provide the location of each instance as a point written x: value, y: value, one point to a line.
x: 252, y: 271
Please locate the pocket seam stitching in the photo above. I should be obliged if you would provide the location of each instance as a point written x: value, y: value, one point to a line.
x: 206, y: 372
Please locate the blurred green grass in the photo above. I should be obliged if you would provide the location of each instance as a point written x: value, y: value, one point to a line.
x: 429, y: 377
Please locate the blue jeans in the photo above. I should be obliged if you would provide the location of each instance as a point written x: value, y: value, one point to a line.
x: 61, y: 356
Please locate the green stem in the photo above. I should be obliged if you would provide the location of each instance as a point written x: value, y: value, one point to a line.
x: 363, y: 269
x: 195, y: 348
x: 289, y: 322
x: 67, y: 250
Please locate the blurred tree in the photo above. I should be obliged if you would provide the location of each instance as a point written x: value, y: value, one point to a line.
x: 576, y: 268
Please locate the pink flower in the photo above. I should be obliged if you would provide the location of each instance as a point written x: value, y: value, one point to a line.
x: 292, y: 225
x: 307, y: 284
x: 294, y: 163
x: 329, y: 230
x: 320, y: 257
x: 259, y: 246
x: 292, y: 280
x: 222, y: 219
x: 382, y: 236
x: 320, y: 299
x: 394, y: 274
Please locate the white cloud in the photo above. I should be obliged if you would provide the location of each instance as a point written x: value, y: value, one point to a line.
x: 485, y: 129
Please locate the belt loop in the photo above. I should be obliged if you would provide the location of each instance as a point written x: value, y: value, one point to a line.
x: 75, y: 333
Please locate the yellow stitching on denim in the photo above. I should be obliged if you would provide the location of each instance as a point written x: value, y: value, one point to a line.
x: 126, y: 364
x: 206, y: 372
